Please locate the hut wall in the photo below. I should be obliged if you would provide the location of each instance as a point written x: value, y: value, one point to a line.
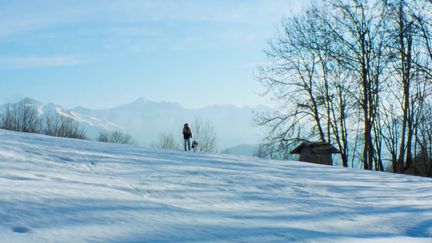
x: 308, y: 155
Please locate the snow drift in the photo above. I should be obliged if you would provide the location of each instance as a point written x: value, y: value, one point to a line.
x: 63, y: 190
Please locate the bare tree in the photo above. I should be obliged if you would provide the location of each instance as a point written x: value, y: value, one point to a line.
x: 423, y: 159
x: 423, y: 17
x: 204, y: 133
x: 390, y: 132
x: 407, y: 78
x: 166, y: 141
x: 21, y: 116
x: 359, y: 27
x: 63, y: 126
x: 290, y: 77
x: 115, y: 137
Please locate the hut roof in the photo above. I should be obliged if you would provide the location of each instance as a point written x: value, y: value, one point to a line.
x: 319, y: 147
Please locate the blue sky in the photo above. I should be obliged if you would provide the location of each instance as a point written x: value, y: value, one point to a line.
x: 103, y: 53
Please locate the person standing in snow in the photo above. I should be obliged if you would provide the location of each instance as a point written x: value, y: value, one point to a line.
x: 187, y: 135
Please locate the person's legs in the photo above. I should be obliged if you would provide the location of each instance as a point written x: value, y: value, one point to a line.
x: 187, y: 145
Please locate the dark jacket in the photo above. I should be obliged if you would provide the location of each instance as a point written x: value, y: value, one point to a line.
x: 187, y: 133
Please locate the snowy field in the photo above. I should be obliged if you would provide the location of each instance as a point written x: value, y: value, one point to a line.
x: 60, y: 190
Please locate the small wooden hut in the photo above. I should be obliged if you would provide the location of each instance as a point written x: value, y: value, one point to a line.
x: 315, y: 152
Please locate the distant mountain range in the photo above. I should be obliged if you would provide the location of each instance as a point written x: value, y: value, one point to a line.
x: 146, y: 120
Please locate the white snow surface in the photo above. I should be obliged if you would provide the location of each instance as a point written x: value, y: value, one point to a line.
x: 63, y: 190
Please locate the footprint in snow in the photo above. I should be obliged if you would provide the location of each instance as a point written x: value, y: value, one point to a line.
x: 20, y: 229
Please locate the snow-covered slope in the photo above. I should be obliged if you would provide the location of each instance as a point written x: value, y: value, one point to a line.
x: 62, y: 190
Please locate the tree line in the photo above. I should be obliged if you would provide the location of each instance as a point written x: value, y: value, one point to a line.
x: 357, y: 74
x: 24, y: 116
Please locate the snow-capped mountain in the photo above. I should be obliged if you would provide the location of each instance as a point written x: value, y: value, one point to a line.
x: 65, y: 190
